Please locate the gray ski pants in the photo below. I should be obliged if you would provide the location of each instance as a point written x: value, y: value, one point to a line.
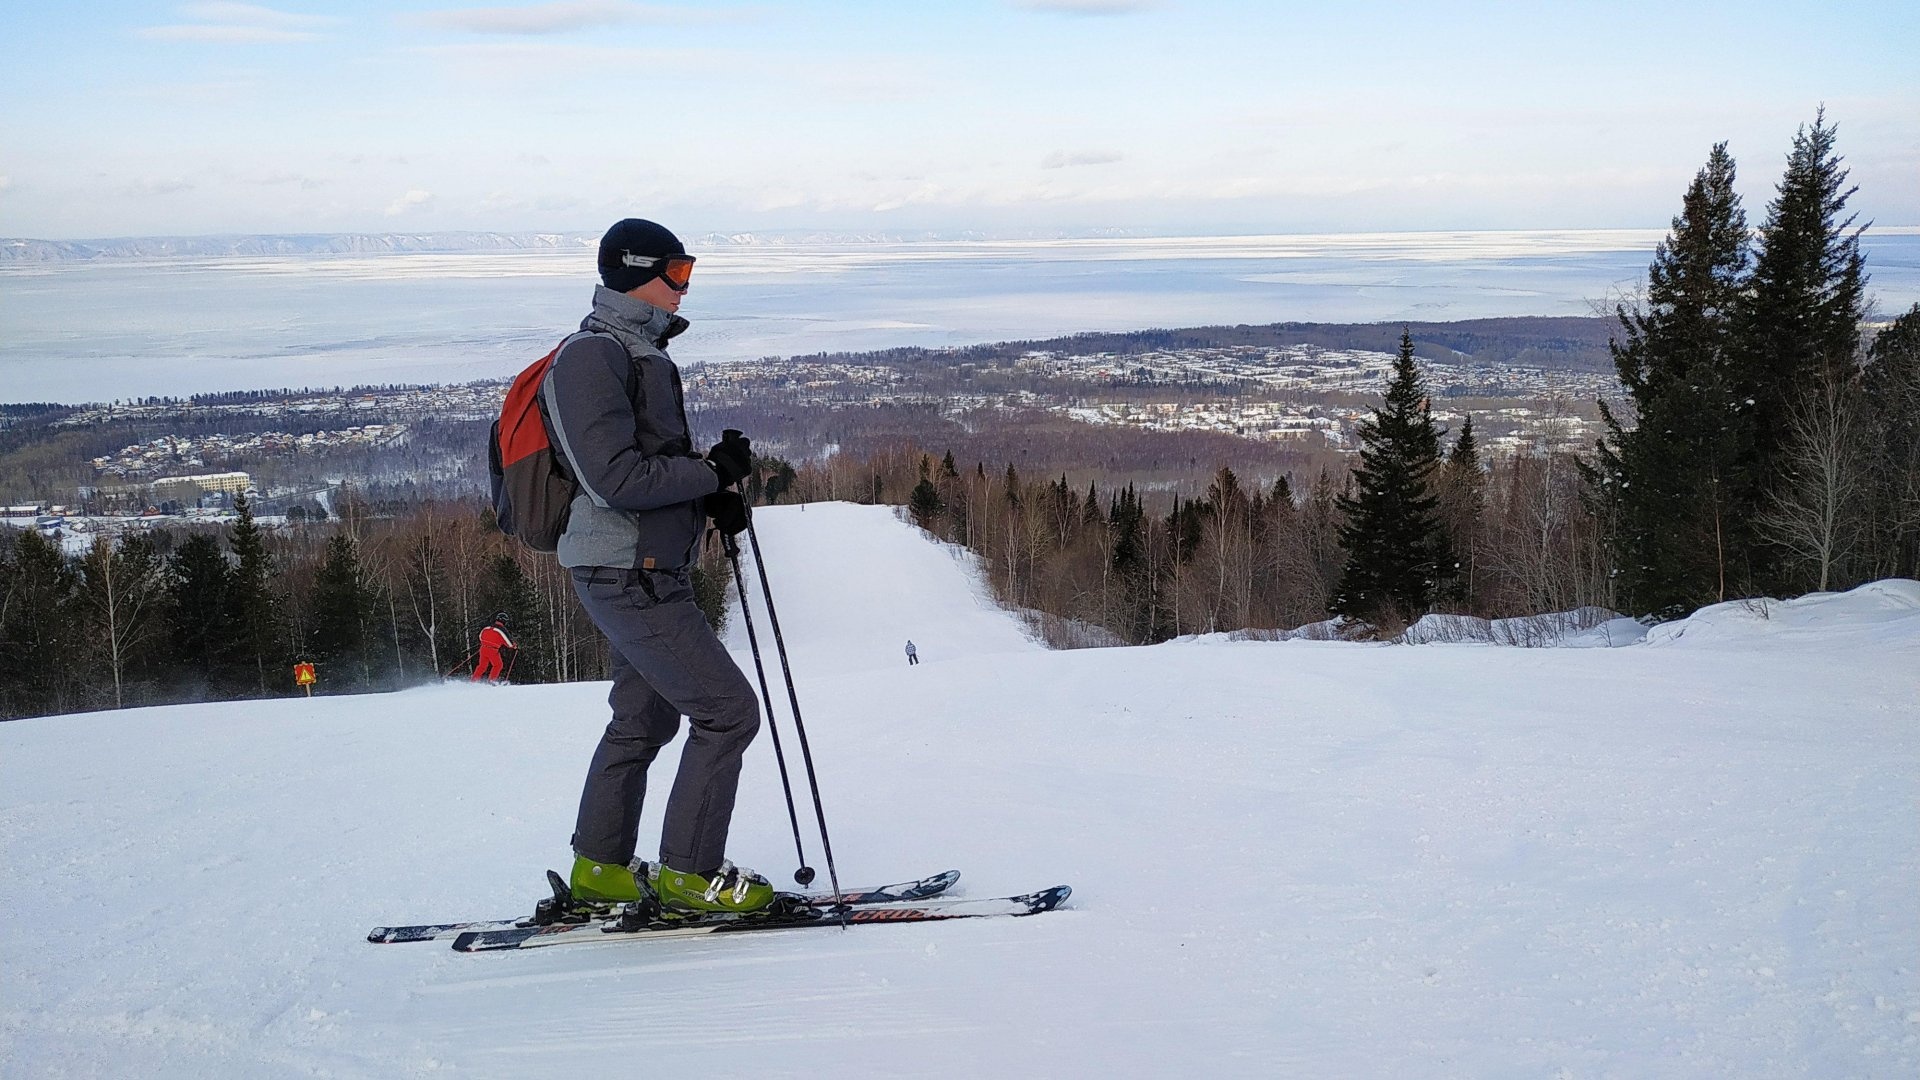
x: 666, y: 661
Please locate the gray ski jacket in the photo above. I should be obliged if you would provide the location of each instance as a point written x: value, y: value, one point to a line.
x: 615, y: 409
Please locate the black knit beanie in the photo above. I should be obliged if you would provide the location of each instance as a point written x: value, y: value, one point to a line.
x: 634, y: 236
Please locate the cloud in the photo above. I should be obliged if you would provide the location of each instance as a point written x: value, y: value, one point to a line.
x: 225, y: 35
x: 254, y: 15
x: 306, y: 183
x: 558, y: 17
x: 409, y: 201
x: 1085, y: 7
x: 5, y: 181
x: 239, y: 24
x: 1061, y: 159
x: 158, y: 185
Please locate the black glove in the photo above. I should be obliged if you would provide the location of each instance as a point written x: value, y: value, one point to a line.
x: 732, y: 458
x: 728, y: 511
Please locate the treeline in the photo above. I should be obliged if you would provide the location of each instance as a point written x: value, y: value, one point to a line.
x: 1766, y: 451
x: 375, y: 602
x: 1405, y: 533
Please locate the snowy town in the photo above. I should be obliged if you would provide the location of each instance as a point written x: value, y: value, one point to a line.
x: 1300, y: 396
x: 1298, y: 393
x: 170, y: 452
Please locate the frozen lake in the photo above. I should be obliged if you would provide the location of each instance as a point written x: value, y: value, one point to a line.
x: 119, y: 329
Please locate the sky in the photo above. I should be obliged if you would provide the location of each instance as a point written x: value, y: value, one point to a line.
x: 996, y: 116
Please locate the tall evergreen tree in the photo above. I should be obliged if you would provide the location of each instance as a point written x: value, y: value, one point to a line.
x: 1891, y: 385
x: 1394, y: 540
x: 1462, y: 503
x: 254, y: 604
x: 1132, y: 567
x: 1664, y: 482
x: 1800, y: 316
x: 41, y: 643
x: 202, y: 629
x: 925, y: 501
x: 1126, y: 519
x: 508, y: 590
x: 340, y: 610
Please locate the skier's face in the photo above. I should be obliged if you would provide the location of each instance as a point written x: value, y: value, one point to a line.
x: 660, y: 294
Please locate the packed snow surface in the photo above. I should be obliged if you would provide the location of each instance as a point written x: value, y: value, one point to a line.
x: 1698, y: 855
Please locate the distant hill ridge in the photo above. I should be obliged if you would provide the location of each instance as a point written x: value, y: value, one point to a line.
x: 28, y: 250
x: 164, y: 247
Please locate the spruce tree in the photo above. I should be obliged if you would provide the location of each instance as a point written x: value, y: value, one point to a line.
x: 925, y: 501
x: 340, y: 610
x: 204, y: 638
x: 1131, y: 567
x: 1664, y: 482
x: 508, y: 590
x: 1891, y: 384
x: 254, y: 604
x: 41, y: 644
x: 1462, y: 502
x: 1800, y: 317
x: 1126, y: 520
x: 1394, y: 541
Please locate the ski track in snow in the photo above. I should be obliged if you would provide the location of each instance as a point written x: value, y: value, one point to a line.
x: 1696, y: 856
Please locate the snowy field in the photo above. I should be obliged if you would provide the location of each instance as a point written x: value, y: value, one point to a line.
x: 1694, y: 856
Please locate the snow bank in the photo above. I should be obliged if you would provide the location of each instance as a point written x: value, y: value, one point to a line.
x: 1587, y: 627
x: 1882, y: 610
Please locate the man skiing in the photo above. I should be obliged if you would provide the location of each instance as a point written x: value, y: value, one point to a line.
x: 493, y: 642
x: 614, y: 404
x: 913, y: 654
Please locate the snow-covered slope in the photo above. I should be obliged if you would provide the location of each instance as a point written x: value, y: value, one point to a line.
x: 1290, y: 859
x: 853, y: 584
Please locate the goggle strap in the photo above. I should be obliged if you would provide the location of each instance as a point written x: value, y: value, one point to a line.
x: 646, y: 262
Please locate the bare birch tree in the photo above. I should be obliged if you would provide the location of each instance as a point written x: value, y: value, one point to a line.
x: 1814, y: 514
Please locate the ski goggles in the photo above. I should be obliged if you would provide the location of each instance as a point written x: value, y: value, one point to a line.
x: 675, y: 270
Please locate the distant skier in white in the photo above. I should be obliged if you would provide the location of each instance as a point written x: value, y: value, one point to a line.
x: 913, y: 654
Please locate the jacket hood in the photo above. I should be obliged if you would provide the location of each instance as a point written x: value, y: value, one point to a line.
x: 637, y: 324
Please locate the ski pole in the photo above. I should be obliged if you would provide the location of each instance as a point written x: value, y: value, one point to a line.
x: 793, y: 699
x: 804, y: 875
x: 462, y: 663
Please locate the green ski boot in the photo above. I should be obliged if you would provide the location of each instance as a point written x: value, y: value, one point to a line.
x: 598, y: 883
x: 730, y: 889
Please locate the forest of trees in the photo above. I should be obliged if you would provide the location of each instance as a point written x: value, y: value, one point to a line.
x: 376, y: 601
x: 1769, y: 452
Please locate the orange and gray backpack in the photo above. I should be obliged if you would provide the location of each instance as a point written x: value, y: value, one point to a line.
x: 532, y: 487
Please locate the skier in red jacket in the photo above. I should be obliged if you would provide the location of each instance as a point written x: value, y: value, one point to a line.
x: 493, y: 642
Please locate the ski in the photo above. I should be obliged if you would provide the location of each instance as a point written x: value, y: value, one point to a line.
x: 653, y: 926
x: 921, y: 889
